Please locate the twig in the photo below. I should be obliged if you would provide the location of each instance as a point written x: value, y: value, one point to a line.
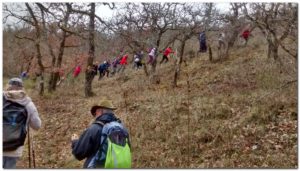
x: 278, y: 88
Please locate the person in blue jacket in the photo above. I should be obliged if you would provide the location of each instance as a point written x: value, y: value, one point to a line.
x: 202, y: 42
x: 103, y: 69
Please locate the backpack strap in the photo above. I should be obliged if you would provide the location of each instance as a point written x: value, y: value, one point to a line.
x: 100, y: 123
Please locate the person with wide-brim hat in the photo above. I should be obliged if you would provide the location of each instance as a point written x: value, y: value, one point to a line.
x: 104, y: 104
x: 86, y: 146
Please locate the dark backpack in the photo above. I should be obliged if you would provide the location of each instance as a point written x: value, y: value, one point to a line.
x: 114, y: 149
x: 14, y: 125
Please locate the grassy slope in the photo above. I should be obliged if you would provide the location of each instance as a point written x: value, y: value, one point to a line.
x: 239, y: 117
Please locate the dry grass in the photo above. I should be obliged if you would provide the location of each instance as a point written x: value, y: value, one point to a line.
x: 239, y: 116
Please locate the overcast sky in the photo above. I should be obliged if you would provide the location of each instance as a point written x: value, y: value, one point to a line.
x: 105, y: 12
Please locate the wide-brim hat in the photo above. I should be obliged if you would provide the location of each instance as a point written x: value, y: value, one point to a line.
x: 105, y: 104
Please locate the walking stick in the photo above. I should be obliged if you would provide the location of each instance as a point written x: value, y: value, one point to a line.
x: 29, y: 148
x: 33, y: 155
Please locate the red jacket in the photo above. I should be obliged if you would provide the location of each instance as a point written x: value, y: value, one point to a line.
x: 77, y: 71
x: 246, y: 34
x: 124, y: 60
x: 168, y: 51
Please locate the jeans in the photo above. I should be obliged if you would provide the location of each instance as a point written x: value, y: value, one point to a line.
x: 9, y: 162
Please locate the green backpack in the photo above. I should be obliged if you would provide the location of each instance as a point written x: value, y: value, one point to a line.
x: 114, y: 150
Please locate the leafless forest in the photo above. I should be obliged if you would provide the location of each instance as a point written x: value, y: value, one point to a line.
x: 233, y: 106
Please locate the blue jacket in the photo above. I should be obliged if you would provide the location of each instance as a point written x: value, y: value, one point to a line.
x: 103, y: 67
x: 202, y: 37
x: 89, y: 142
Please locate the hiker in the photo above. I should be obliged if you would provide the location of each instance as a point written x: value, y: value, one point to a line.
x: 166, y: 55
x: 202, y: 42
x: 77, y: 70
x: 152, y: 56
x: 115, y: 64
x: 61, y: 76
x: 24, y: 75
x: 19, y: 112
x: 246, y: 35
x: 221, y: 41
x: 135, y: 61
x: 94, y: 68
x: 123, y: 62
x: 98, y: 142
x: 103, y: 69
x: 138, y: 60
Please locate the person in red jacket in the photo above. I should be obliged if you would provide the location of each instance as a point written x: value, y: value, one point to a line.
x: 123, y: 62
x: 77, y: 71
x: 246, y: 35
x: 166, y: 55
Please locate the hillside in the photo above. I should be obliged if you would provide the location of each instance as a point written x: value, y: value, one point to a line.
x: 239, y: 113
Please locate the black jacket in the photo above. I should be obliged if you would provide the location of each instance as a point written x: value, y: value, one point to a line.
x: 89, y: 142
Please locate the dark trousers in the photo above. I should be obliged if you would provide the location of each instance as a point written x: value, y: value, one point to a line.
x: 9, y: 162
x: 102, y: 73
x: 165, y: 58
x: 138, y: 64
x: 203, y: 47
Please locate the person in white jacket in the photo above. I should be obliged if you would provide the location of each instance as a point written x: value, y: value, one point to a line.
x: 15, y: 92
x: 152, y: 56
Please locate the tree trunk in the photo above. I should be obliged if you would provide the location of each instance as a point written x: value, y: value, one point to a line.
x: 273, y: 49
x: 38, y: 48
x: 55, y: 75
x: 88, y: 74
x: 231, y: 41
x: 41, y: 66
x: 210, y: 53
x: 29, y: 64
x: 153, y: 66
x: 178, y: 65
x: 41, y: 92
x: 52, y: 66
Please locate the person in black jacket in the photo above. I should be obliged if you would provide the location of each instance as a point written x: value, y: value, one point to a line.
x: 89, y: 142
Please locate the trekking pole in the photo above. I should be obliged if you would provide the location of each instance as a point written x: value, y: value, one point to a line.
x: 29, y: 149
x: 33, y: 156
x: 33, y: 152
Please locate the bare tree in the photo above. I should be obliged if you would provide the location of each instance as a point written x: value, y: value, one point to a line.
x: 233, y: 22
x: 88, y: 73
x: 194, y: 16
x: 277, y: 21
x: 143, y: 25
x: 56, y: 59
x: 89, y: 76
x: 162, y: 17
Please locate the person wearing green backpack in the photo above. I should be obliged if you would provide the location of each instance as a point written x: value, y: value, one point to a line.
x: 105, y: 144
